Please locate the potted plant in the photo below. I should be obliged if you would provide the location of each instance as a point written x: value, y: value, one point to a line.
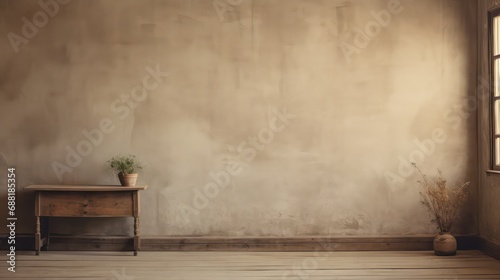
x: 127, y: 168
x: 444, y: 203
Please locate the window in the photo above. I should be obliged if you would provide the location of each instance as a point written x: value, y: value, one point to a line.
x: 494, y: 23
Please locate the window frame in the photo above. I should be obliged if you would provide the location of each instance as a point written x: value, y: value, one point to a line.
x: 492, y: 58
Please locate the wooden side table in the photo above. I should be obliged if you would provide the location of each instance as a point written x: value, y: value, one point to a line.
x: 85, y: 201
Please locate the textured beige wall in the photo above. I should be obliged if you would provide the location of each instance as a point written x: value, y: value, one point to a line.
x: 306, y: 113
x: 489, y: 214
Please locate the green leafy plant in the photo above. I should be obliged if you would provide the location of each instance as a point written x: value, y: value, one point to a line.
x: 125, y: 164
x: 443, y: 201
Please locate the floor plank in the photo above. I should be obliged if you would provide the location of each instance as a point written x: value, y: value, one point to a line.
x: 252, y: 265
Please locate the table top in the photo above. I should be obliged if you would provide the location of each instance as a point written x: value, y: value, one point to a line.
x: 85, y: 188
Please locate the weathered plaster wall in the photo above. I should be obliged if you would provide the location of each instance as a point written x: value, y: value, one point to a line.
x: 353, y: 110
x: 489, y: 216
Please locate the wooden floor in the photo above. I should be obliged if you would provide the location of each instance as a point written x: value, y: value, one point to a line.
x: 252, y: 265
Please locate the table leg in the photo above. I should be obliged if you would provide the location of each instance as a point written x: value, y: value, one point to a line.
x: 137, y: 244
x: 37, y: 236
x: 47, y: 232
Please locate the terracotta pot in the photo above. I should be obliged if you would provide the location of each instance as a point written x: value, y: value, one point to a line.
x: 445, y: 244
x: 127, y: 180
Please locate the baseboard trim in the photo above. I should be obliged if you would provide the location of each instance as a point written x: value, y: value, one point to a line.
x: 413, y: 243
x: 489, y: 247
x: 281, y: 244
